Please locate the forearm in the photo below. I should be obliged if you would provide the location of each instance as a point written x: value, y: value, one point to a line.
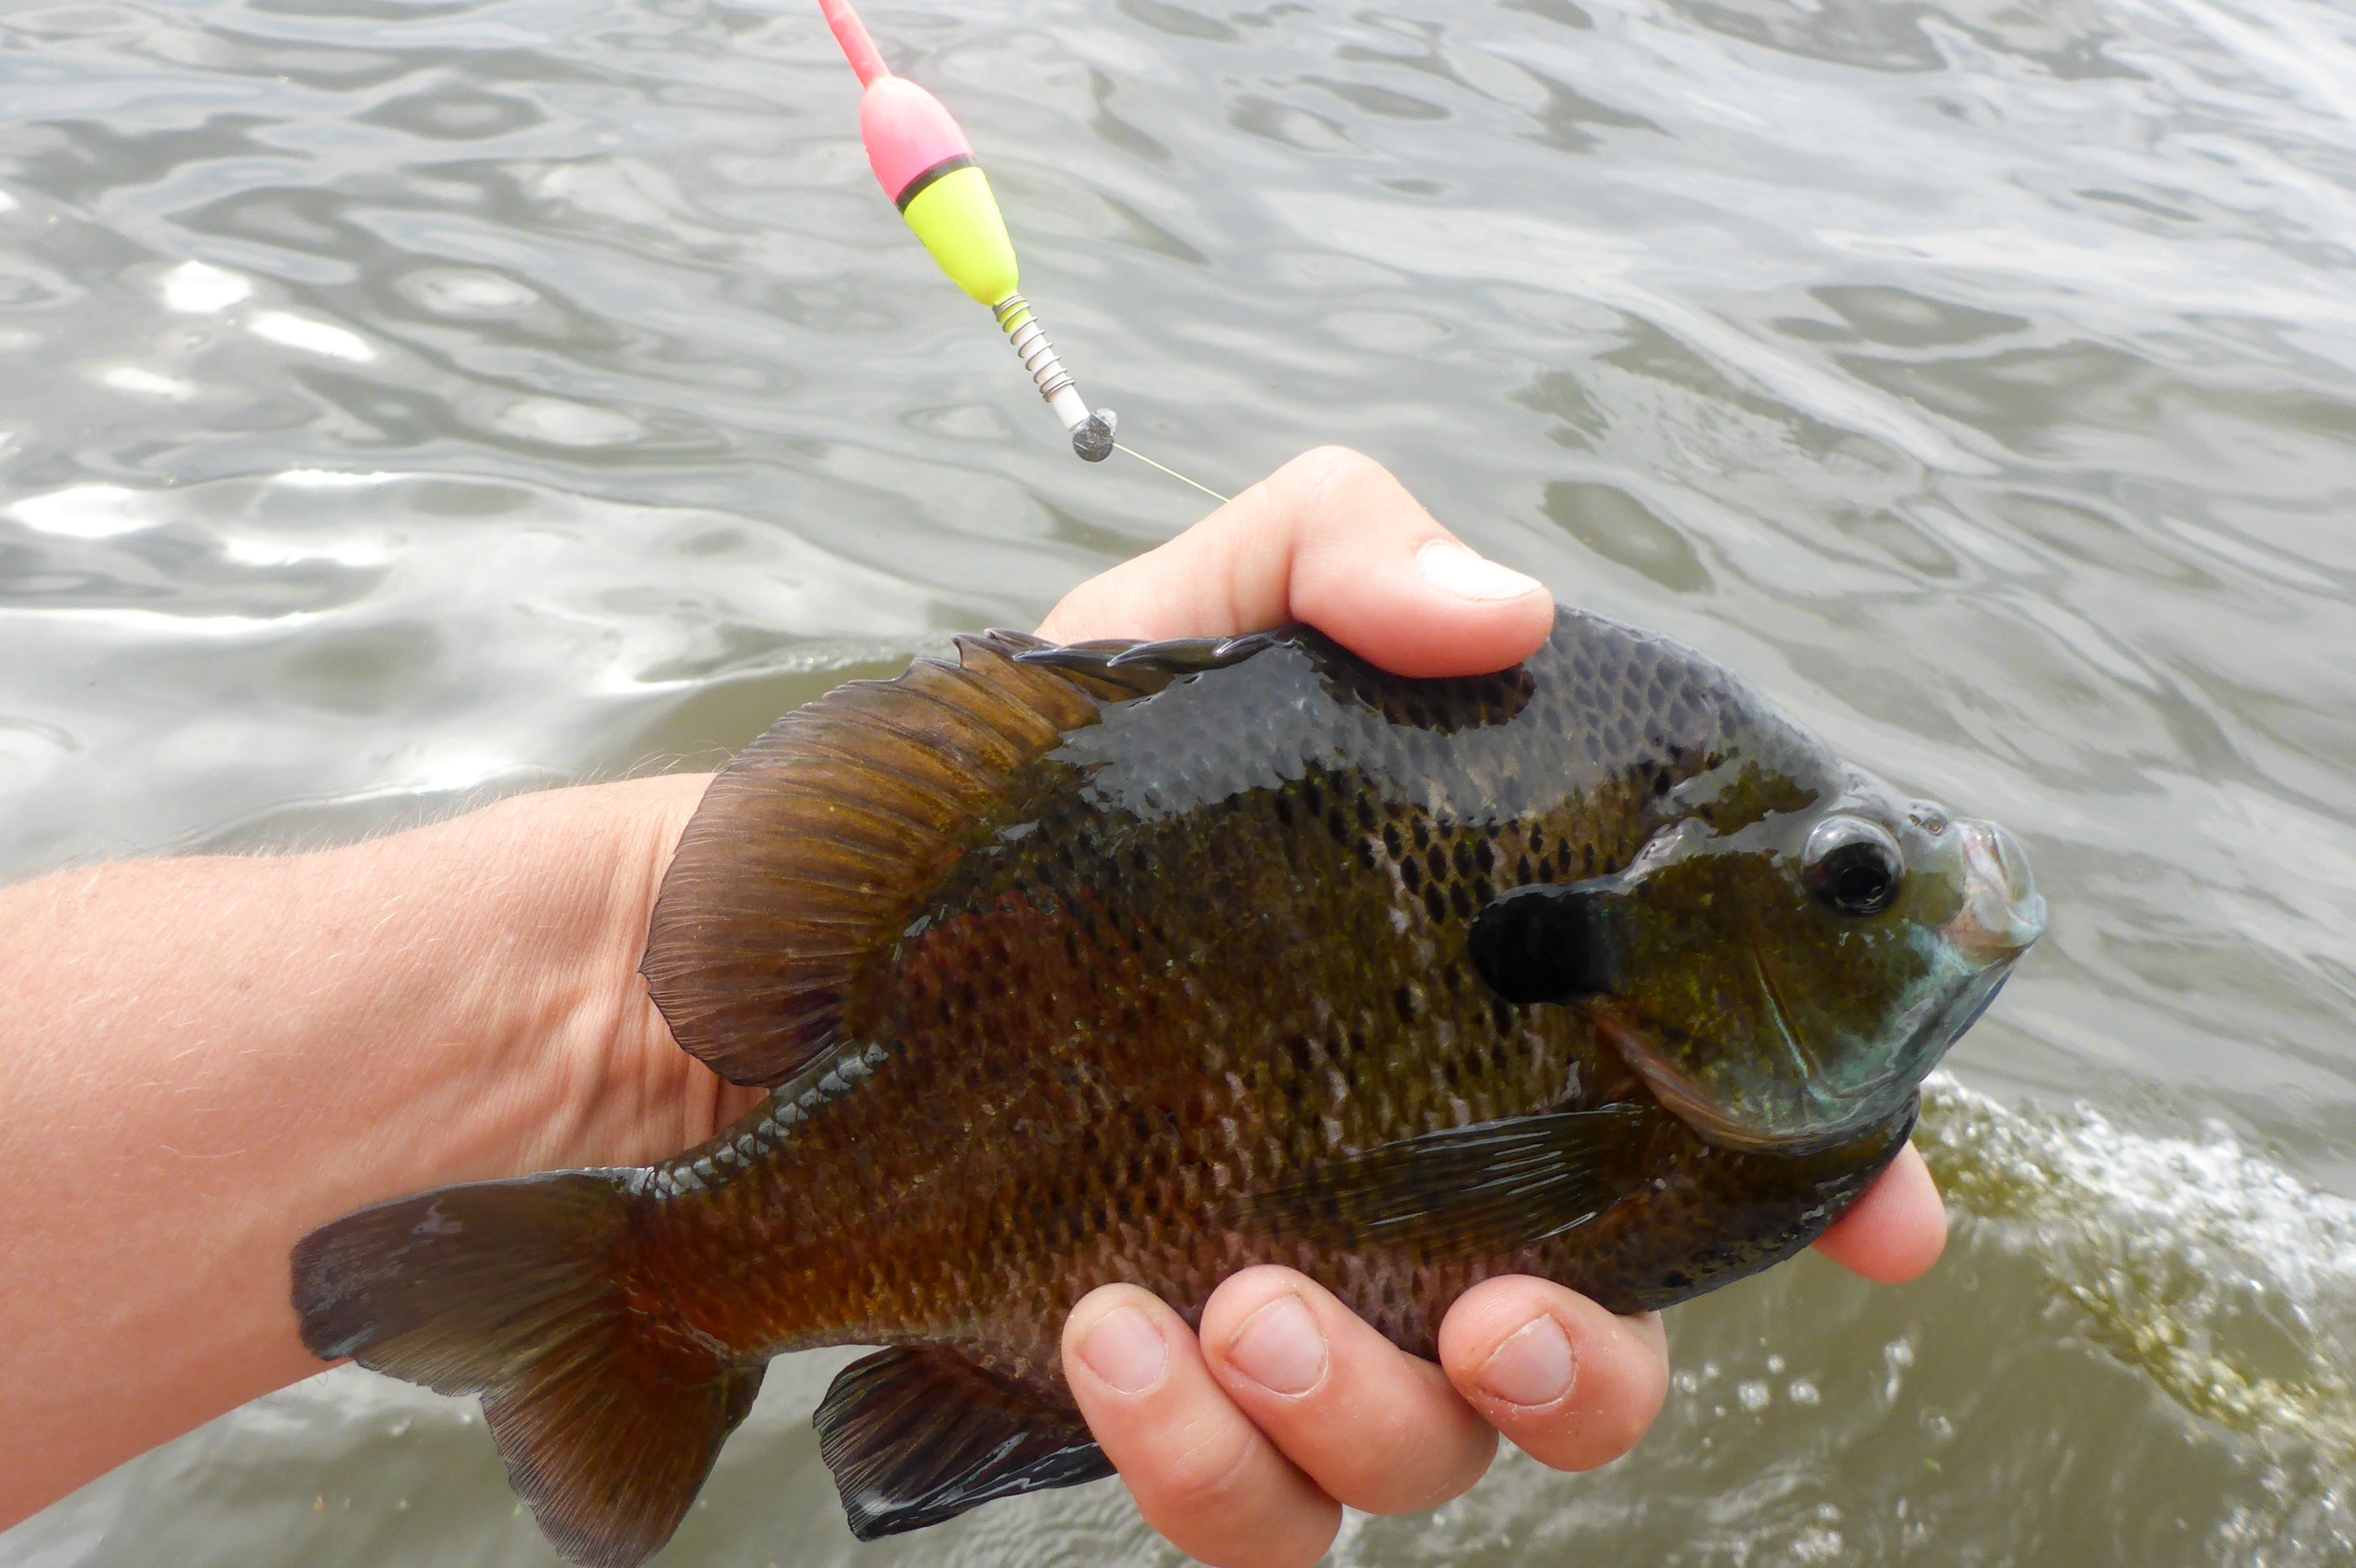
x: 207, y: 1057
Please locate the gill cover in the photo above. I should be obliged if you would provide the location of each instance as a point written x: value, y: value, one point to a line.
x: 1788, y: 984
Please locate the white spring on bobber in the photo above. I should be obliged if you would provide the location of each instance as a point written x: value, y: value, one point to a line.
x: 1029, y: 340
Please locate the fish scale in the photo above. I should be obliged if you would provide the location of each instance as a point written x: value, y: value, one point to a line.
x: 1146, y: 963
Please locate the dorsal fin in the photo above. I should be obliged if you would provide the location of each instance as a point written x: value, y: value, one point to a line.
x: 817, y: 845
x: 1140, y: 670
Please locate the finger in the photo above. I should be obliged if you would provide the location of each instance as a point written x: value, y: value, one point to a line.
x: 1896, y: 1229
x: 1572, y: 1385
x: 1334, y: 540
x: 1202, y: 1472
x: 1375, y: 1428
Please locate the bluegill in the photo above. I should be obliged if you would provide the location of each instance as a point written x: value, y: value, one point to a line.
x: 1149, y: 962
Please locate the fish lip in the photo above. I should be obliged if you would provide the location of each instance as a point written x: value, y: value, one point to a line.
x: 2003, y: 913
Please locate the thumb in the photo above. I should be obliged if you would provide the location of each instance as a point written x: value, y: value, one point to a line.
x: 1331, y: 539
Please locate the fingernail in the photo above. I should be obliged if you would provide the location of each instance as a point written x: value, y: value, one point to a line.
x: 1125, y: 1350
x: 1534, y: 1367
x: 1450, y: 568
x: 1281, y: 1348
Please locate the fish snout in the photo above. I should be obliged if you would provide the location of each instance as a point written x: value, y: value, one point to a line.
x: 2003, y: 913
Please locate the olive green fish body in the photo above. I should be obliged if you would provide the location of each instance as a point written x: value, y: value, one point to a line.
x: 1212, y: 941
x: 1149, y: 963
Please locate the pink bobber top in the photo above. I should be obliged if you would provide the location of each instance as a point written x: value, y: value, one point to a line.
x: 908, y: 133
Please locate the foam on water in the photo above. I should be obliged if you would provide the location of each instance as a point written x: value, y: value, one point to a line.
x: 2197, y: 1261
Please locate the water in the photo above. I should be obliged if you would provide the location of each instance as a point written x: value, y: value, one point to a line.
x: 410, y: 400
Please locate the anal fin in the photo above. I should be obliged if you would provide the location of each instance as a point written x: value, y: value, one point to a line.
x: 918, y: 1435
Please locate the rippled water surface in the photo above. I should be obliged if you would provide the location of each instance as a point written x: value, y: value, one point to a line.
x: 403, y: 398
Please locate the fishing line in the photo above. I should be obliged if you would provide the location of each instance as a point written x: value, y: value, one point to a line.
x: 1173, y: 473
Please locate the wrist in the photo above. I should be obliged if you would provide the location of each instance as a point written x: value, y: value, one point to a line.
x: 261, y: 1046
x: 569, y: 1064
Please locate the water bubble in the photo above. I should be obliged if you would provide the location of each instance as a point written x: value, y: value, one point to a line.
x: 566, y: 424
x: 196, y: 289
x: 313, y: 336
x: 1900, y: 1354
x: 85, y: 511
x: 1817, y: 1546
x: 1753, y: 1395
x: 452, y: 291
x: 148, y: 383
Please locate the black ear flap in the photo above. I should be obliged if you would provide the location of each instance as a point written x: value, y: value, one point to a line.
x: 1547, y: 944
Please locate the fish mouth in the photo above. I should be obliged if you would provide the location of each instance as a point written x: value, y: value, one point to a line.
x: 2003, y: 913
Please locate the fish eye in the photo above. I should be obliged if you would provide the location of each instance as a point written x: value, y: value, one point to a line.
x: 1853, y: 867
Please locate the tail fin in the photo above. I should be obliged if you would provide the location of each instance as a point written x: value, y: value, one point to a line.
x: 609, y: 1419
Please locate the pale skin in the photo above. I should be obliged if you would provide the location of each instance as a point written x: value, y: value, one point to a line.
x: 207, y: 1057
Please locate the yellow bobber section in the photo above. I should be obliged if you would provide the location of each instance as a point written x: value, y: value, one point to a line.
x: 957, y: 219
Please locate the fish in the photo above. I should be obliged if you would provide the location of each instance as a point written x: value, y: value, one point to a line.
x: 1149, y: 961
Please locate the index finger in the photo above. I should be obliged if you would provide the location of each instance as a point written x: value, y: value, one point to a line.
x: 1334, y: 540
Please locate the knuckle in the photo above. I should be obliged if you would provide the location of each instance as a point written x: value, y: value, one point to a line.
x: 1583, y: 1439
x: 1209, y: 1476
x: 1333, y: 459
x: 1330, y: 473
x: 1395, y: 1472
x: 1384, y: 1494
x: 1447, y: 1478
x: 1621, y: 1433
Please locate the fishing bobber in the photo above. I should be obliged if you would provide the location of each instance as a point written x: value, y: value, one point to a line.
x: 926, y: 166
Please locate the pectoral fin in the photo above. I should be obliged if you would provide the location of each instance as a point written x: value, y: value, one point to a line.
x: 1485, y: 1190
x: 916, y: 1436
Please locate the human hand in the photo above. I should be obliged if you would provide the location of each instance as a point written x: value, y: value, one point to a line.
x: 1242, y: 1440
